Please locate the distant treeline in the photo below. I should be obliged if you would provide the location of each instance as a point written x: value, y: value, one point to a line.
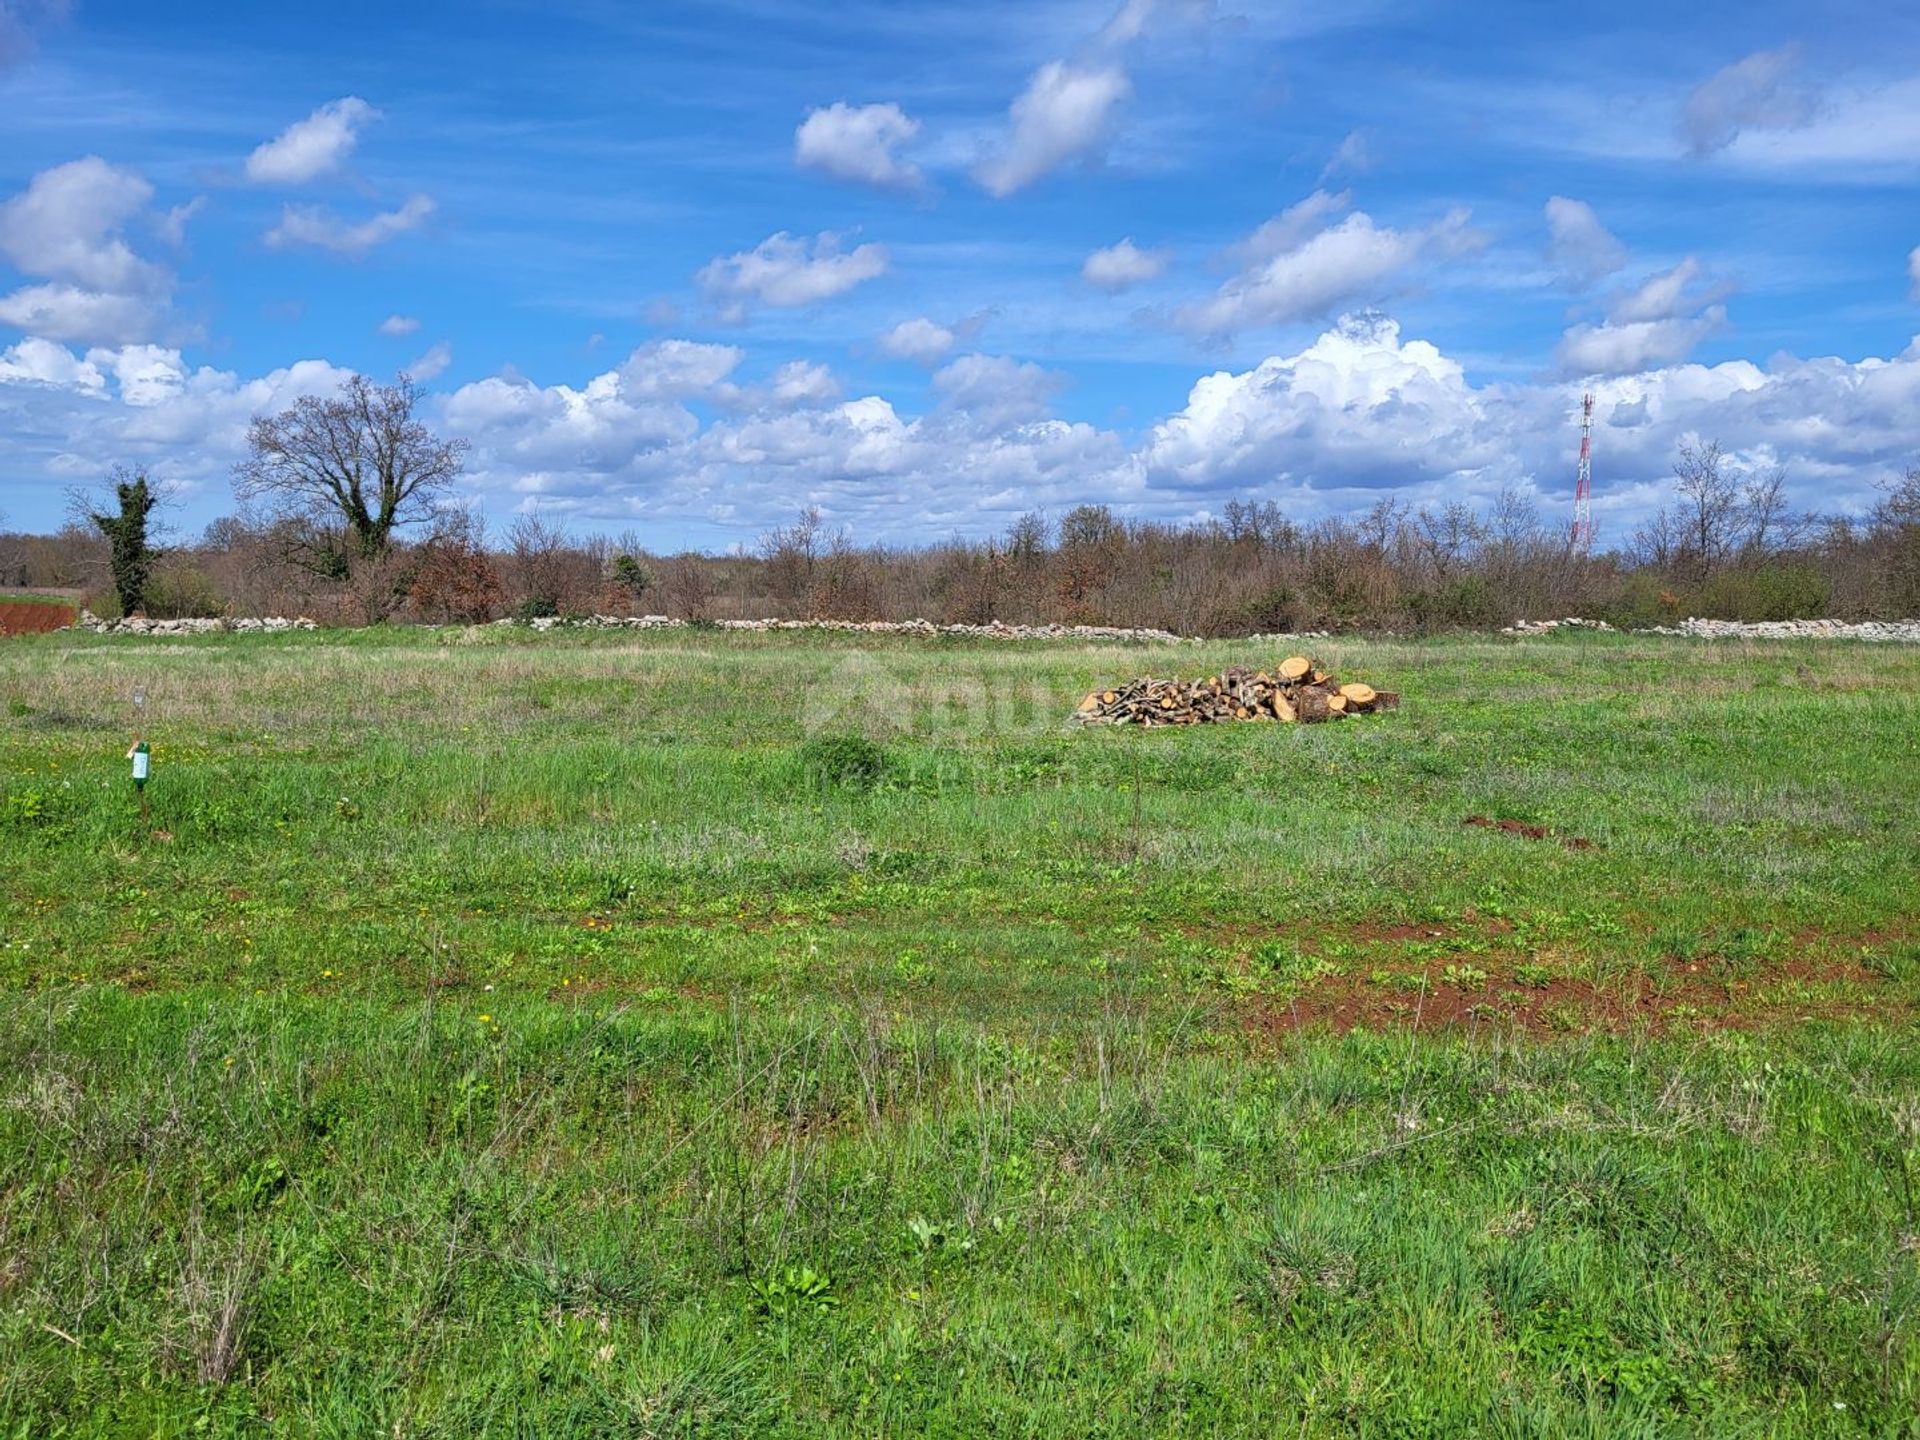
x: 1726, y: 546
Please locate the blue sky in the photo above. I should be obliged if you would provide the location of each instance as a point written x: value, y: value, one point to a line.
x: 685, y: 268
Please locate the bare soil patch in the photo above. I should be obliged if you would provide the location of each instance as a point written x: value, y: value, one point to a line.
x: 34, y: 617
x: 1528, y: 832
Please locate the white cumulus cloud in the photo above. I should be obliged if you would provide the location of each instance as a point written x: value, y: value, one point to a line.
x: 147, y: 374
x: 318, y: 226
x: 1662, y: 320
x: 594, y: 430
x: 1580, y: 246
x: 996, y: 392
x: 1297, y: 270
x: 67, y: 229
x: 1913, y: 271
x: 804, y: 383
x: 395, y: 326
x: 1356, y: 403
x: 920, y: 340
x: 41, y: 362
x: 314, y: 147
x: 860, y: 143
x: 790, y: 270
x: 531, y: 432
x: 67, y: 224
x: 1618, y: 347
x: 187, y: 426
x: 1121, y: 267
x: 68, y: 313
x: 1065, y: 111
x: 679, y: 369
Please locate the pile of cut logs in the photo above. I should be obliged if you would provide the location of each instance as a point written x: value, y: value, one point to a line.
x: 1294, y: 690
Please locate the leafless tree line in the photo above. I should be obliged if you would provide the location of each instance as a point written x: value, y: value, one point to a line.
x: 349, y: 515
x: 1727, y: 545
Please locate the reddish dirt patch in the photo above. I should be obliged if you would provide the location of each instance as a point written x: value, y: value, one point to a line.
x: 22, y: 618
x: 1528, y: 832
x: 1700, y: 1000
x: 1399, y: 933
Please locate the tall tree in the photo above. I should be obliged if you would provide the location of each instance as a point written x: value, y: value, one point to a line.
x: 358, y: 463
x: 130, y: 553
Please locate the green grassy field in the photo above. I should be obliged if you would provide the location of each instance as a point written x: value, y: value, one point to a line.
x: 585, y: 1034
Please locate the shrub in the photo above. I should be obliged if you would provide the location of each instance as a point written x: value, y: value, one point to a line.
x: 1770, y: 592
x: 1459, y: 603
x: 629, y: 577
x: 1271, y: 609
x: 184, y: 592
x: 1643, y: 599
x: 456, y: 578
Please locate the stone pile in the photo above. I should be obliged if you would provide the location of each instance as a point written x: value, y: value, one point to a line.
x: 244, y: 625
x: 1542, y: 627
x: 1293, y: 691
x: 994, y: 631
x: 1885, y: 631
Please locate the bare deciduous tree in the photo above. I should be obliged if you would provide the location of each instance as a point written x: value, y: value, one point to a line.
x: 1709, y: 519
x: 689, y: 586
x: 1259, y: 523
x: 1447, y: 537
x: 1767, y: 525
x: 357, y: 466
x: 1896, y: 534
x: 547, y: 569
x: 1026, y: 540
x: 792, y: 553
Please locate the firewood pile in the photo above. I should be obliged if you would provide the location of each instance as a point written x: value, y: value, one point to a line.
x: 1295, y: 690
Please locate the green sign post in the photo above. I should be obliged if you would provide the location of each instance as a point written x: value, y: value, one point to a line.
x: 141, y: 756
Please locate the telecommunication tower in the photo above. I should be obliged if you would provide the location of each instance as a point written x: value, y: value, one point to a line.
x: 1581, y: 537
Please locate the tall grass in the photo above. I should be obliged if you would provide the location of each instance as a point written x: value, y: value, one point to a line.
x: 568, y: 1037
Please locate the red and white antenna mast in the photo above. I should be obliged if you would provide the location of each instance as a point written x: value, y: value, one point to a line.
x: 1581, y: 537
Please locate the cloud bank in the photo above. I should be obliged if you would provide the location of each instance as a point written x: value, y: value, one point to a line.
x: 674, y: 432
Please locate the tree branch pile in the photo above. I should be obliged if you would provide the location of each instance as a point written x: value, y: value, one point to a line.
x: 1294, y: 691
